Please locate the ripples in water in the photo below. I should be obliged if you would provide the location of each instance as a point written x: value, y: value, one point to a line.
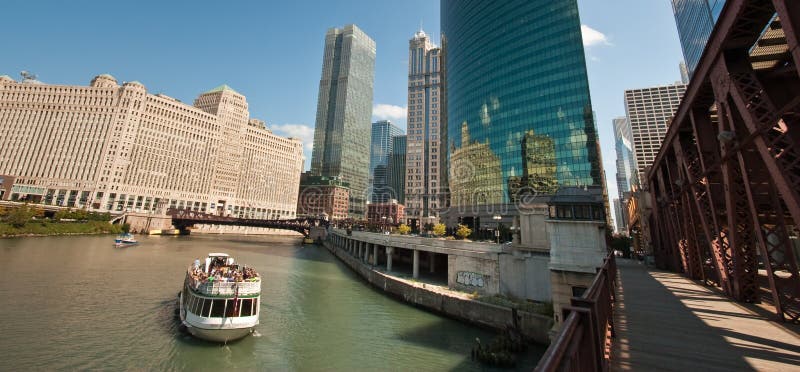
x: 76, y: 303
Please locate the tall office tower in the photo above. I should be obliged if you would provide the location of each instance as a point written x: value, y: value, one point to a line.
x: 516, y: 78
x: 684, y: 72
x: 344, y: 111
x: 626, y: 163
x: 120, y: 148
x: 397, y: 169
x: 649, y: 111
x: 423, y: 152
x: 621, y: 226
x: 383, y: 133
x: 695, y: 20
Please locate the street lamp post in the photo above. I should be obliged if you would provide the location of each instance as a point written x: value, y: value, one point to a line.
x: 497, y: 218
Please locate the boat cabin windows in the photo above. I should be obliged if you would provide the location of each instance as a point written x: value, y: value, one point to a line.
x: 219, y: 308
x: 247, y: 305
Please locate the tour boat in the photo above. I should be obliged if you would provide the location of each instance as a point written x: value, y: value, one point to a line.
x: 219, y: 301
x: 124, y: 240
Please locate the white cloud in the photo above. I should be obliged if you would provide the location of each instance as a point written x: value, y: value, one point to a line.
x: 592, y: 37
x: 302, y: 132
x: 384, y: 111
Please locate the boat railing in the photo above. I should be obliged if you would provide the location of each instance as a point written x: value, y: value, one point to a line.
x: 224, y: 288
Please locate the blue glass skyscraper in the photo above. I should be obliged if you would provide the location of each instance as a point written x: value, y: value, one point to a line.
x: 383, y: 133
x: 695, y: 20
x: 626, y: 163
x: 519, y: 115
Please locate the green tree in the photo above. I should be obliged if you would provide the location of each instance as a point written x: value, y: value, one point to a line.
x: 403, y: 229
x: 20, y: 216
x: 463, y: 231
x: 439, y: 229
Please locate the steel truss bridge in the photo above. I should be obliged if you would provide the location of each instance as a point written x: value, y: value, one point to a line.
x: 725, y: 186
x: 182, y: 219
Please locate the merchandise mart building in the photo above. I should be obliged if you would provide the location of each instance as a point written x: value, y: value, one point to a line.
x: 107, y: 147
x: 519, y: 114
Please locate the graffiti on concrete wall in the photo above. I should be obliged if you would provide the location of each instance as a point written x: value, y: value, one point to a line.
x: 470, y: 278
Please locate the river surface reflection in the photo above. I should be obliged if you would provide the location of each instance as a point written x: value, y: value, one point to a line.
x: 79, y: 303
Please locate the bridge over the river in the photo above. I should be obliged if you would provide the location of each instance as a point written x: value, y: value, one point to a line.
x: 183, y: 219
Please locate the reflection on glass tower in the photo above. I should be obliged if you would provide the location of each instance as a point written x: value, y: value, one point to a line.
x: 539, y: 167
x: 513, y: 67
x: 474, y: 169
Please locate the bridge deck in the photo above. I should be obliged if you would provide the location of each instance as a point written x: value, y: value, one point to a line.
x: 665, y: 322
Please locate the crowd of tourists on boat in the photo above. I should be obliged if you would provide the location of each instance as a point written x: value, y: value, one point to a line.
x: 224, y: 273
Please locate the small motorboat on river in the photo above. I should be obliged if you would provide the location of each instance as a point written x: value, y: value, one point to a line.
x: 123, y: 240
x: 219, y: 301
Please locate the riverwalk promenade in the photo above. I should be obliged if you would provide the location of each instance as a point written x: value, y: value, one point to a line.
x: 666, y: 322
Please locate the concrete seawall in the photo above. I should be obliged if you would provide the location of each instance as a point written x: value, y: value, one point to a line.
x: 535, y: 327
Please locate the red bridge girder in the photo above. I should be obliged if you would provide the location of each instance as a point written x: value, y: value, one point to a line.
x: 725, y: 186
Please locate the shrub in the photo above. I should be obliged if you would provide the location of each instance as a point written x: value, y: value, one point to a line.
x: 403, y: 229
x: 463, y: 232
x: 439, y: 229
x: 19, y: 216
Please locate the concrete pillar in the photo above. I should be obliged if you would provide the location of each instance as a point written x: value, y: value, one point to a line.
x: 415, y: 273
x: 389, y: 251
x: 366, y: 252
x: 375, y: 255
x: 432, y: 261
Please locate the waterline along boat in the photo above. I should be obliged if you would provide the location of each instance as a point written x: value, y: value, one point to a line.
x: 124, y: 240
x: 219, y: 301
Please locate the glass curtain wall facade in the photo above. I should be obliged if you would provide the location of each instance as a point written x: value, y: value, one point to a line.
x: 383, y: 133
x: 396, y: 174
x: 695, y: 20
x: 626, y: 164
x: 344, y: 112
x: 518, y: 107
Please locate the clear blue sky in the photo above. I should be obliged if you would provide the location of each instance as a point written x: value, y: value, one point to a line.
x: 272, y: 51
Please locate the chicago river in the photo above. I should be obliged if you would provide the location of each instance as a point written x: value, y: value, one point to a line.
x: 79, y: 303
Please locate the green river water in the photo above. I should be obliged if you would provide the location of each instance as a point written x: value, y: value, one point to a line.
x: 78, y: 303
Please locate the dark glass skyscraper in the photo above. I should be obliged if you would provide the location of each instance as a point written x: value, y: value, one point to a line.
x: 519, y: 115
x: 396, y: 174
x: 695, y: 20
x: 344, y: 108
x: 383, y: 133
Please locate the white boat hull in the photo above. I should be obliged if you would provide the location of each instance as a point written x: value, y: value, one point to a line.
x: 219, y: 335
x: 216, y: 329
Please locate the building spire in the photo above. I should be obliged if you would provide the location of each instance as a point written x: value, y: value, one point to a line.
x: 420, y: 34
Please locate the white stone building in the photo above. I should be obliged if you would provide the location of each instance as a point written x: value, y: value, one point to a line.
x: 117, y: 148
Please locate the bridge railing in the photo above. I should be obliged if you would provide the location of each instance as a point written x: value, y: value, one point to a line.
x: 584, y: 342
